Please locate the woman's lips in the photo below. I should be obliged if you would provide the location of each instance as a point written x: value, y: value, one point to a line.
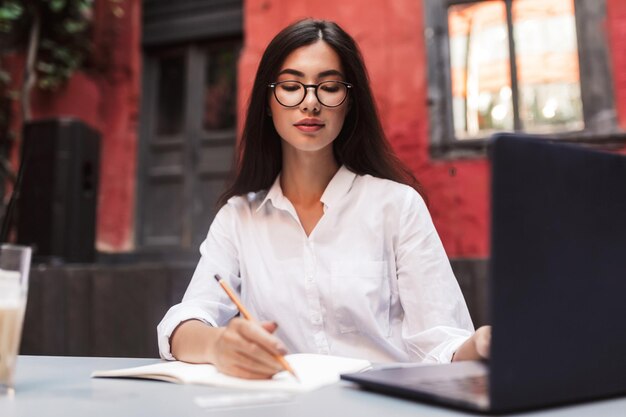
x: 309, y: 128
x: 309, y: 125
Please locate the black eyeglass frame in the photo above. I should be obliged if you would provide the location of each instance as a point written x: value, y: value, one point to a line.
x: 306, y: 88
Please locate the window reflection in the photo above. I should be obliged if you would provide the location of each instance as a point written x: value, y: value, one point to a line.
x: 220, y: 97
x: 547, y: 64
x: 479, y: 54
x: 170, y: 91
x: 546, y: 61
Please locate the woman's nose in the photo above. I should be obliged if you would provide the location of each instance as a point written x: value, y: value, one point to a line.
x: 310, y: 102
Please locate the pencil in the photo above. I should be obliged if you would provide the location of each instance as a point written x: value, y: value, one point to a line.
x: 246, y: 314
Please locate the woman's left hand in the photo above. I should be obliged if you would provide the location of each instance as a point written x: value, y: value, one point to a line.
x: 476, y: 347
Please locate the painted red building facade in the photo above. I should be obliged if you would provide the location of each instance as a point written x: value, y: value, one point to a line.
x: 392, y: 38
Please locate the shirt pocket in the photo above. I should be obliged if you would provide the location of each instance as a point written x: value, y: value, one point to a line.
x: 361, y: 296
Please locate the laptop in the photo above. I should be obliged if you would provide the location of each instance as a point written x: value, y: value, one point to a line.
x: 557, y: 286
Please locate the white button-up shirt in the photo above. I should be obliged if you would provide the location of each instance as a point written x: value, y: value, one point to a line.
x: 371, y: 281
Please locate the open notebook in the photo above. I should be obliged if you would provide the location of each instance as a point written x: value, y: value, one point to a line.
x: 313, y: 370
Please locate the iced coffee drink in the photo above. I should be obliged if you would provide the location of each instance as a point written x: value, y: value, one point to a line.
x: 14, y: 269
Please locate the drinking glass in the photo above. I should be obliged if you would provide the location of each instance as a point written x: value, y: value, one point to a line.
x: 14, y: 269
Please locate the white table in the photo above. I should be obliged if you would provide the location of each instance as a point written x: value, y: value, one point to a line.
x: 61, y: 386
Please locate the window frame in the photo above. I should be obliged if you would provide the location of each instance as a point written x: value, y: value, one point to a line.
x: 599, y: 111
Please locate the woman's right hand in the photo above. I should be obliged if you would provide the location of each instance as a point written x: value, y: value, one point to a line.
x: 246, y: 349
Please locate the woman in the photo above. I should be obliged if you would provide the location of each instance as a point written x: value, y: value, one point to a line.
x: 323, y: 231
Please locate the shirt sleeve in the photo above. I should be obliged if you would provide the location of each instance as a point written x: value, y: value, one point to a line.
x: 204, y: 299
x: 436, y: 319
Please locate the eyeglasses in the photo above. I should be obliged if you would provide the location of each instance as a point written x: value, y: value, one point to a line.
x: 329, y: 93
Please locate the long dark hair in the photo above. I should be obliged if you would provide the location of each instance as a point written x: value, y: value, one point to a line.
x: 361, y: 145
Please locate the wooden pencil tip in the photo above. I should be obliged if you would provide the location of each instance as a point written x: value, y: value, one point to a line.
x: 217, y: 277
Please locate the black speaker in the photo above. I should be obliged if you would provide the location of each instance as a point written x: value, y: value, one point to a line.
x: 56, y: 207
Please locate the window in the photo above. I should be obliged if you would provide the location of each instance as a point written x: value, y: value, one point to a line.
x: 536, y: 66
x: 220, y: 89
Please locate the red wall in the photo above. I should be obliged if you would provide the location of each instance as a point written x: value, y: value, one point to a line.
x: 391, y: 38
x: 107, y: 98
x: 390, y: 35
x: 616, y: 31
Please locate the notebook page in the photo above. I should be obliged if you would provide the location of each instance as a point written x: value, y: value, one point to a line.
x: 313, y: 370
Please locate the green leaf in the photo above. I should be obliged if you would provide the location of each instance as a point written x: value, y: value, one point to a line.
x: 50, y: 82
x: 74, y: 26
x: 5, y: 26
x: 60, y: 53
x: 73, y: 63
x: 57, y: 5
x: 46, y: 67
x: 43, y: 83
x: 84, y: 5
x: 47, y: 43
x: 11, y: 11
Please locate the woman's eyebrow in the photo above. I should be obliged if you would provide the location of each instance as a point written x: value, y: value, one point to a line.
x: 329, y: 72
x: 292, y: 72
x: 301, y: 74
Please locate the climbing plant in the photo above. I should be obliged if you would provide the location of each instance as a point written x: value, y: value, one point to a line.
x: 55, y: 38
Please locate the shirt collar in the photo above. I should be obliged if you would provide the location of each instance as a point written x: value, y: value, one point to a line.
x: 338, y: 186
x: 275, y: 193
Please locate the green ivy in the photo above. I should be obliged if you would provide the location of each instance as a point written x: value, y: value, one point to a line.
x: 65, y: 46
x: 65, y: 37
x: 11, y: 11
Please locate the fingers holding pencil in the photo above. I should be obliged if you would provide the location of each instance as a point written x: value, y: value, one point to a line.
x: 245, y: 350
x: 260, y: 351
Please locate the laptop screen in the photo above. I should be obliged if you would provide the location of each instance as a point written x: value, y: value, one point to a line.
x: 558, y: 272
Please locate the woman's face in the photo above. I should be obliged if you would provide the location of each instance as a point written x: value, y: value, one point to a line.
x: 309, y: 126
